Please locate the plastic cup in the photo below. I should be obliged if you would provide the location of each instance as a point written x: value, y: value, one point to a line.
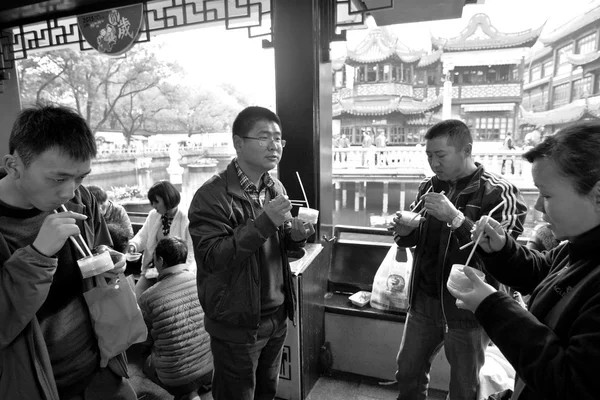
x: 132, y: 257
x: 410, y: 218
x: 459, y: 281
x: 308, y: 215
x: 95, y: 265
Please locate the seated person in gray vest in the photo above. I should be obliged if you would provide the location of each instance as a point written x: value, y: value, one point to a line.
x: 181, y: 360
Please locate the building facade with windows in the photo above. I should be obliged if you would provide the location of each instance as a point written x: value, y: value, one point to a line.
x: 561, y: 83
x: 477, y: 76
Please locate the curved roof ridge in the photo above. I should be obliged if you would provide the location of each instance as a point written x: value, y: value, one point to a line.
x: 481, y: 34
x: 577, y: 22
x: 381, y: 44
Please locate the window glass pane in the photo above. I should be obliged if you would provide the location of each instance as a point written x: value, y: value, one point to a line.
x: 547, y: 68
x: 564, y: 66
x: 536, y: 72
x: 386, y: 73
x: 587, y: 44
x: 372, y: 73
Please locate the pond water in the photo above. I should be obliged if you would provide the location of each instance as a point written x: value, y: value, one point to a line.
x: 349, y: 209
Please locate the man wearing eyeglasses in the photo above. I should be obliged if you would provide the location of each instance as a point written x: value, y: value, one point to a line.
x: 241, y: 227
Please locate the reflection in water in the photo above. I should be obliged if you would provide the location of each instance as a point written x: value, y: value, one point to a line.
x: 361, y: 204
x: 145, y: 178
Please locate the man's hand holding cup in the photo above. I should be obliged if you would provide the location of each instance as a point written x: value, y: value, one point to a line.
x: 405, y: 222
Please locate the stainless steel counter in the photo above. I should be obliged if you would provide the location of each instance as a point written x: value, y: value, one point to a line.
x: 312, y: 251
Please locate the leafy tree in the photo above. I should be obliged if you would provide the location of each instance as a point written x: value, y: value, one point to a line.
x: 136, y: 91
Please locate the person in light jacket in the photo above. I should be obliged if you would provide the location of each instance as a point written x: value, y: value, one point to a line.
x: 166, y: 220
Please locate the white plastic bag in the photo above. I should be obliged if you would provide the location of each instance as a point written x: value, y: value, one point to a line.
x: 390, y: 286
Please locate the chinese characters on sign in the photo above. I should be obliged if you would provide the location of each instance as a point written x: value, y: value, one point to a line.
x: 113, y: 31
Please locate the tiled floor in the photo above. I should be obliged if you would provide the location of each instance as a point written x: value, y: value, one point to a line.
x: 343, y: 386
x: 338, y: 386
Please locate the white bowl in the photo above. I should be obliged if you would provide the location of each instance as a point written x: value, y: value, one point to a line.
x: 131, y: 257
x: 361, y: 298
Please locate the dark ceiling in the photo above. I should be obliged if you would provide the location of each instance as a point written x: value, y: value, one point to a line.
x: 22, y: 12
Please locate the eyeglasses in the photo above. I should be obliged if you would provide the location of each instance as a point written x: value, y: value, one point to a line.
x: 262, y: 141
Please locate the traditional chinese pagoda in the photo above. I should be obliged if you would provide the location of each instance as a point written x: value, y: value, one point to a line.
x: 484, y: 70
x: 381, y: 85
x: 562, y: 78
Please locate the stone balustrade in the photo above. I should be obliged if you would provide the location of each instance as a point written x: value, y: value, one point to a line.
x: 411, y: 160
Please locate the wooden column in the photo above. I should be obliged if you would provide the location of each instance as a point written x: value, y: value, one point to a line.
x: 303, y: 84
x: 10, y: 105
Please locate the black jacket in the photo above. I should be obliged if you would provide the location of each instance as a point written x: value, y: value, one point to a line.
x: 228, y: 233
x: 484, y: 191
x: 555, y: 346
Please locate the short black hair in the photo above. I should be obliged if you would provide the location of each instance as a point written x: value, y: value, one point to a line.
x: 457, y: 133
x: 44, y: 127
x: 172, y: 250
x: 575, y: 152
x: 167, y: 192
x: 119, y: 235
x: 245, y: 120
x: 98, y: 193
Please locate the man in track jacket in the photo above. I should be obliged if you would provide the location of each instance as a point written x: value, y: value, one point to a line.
x: 459, y: 193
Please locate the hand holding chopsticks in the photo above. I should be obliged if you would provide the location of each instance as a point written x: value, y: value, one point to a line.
x: 483, y: 230
x: 56, y: 230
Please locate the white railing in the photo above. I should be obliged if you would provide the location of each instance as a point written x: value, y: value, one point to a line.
x: 412, y: 159
x: 105, y: 150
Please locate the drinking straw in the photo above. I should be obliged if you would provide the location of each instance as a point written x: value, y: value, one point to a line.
x: 80, y: 238
x: 481, y: 233
x: 302, y: 187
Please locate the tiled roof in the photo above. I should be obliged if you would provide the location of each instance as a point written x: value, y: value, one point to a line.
x: 545, y: 51
x: 403, y: 105
x: 480, y: 34
x: 571, y: 112
x: 429, y: 59
x: 581, y: 20
x: 381, y: 44
x: 583, y: 59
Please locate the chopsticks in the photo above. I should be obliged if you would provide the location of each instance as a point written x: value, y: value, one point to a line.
x: 85, y: 246
x: 502, y: 225
x: 423, y: 210
x: 481, y: 233
x: 422, y: 198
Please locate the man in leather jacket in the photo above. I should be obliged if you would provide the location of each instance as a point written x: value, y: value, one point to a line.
x: 241, y: 227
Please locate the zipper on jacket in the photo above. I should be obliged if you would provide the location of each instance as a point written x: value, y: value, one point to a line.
x: 442, y: 283
x: 449, y: 195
